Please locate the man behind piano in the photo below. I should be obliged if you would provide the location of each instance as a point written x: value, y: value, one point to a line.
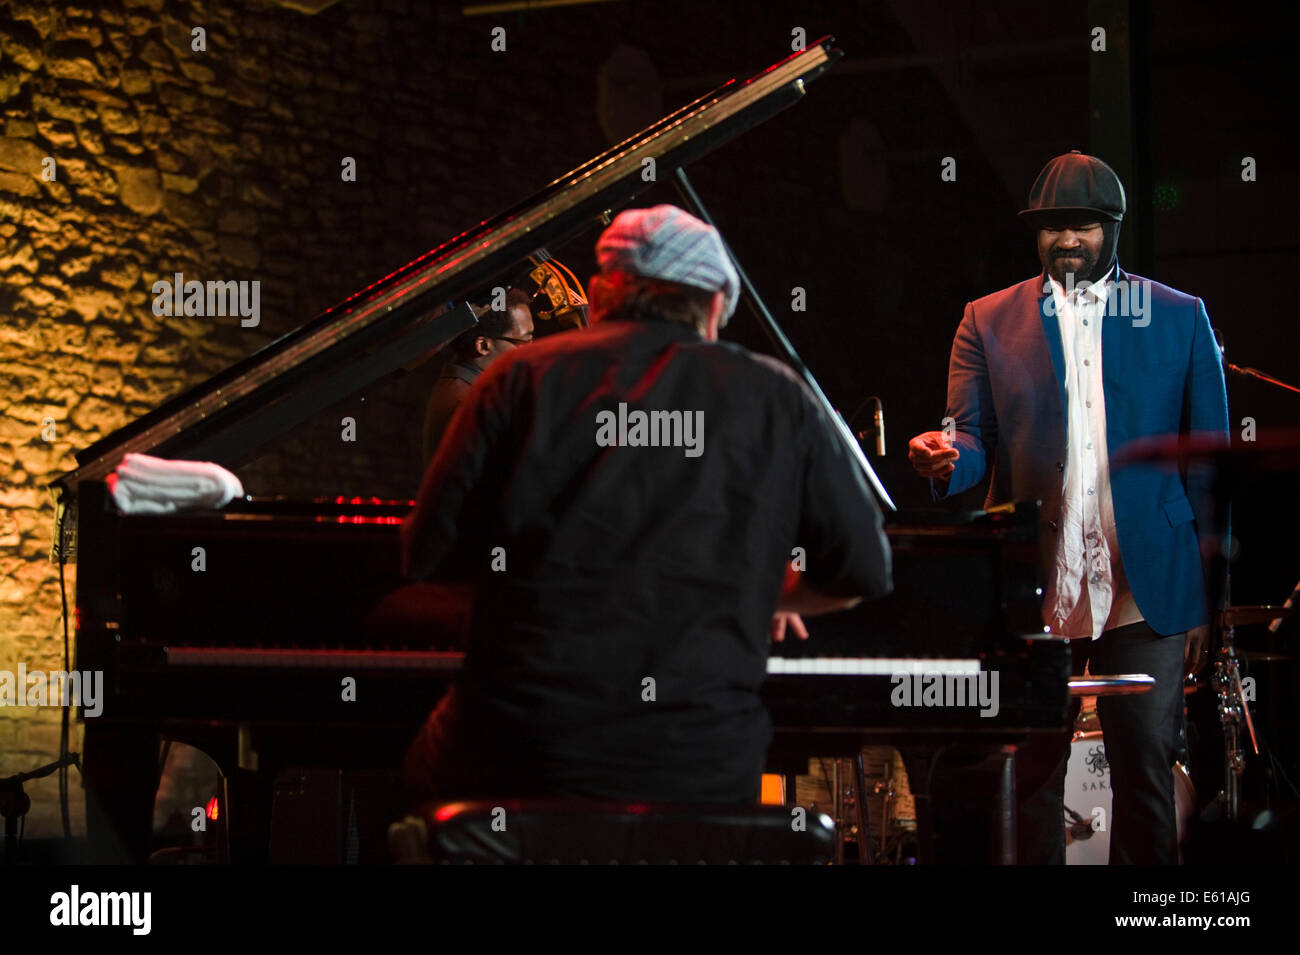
x: 496, y: 334
x: 627, y: 577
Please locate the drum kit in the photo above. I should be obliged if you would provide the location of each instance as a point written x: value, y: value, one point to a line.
x: 871, y: 804
x: 1087, y: 777
x: 1088, y: 772
x: 874, y: 788
x: 871, y: 798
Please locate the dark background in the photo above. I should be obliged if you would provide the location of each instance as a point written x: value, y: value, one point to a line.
x: 224, y: 164
x: 841, y: 195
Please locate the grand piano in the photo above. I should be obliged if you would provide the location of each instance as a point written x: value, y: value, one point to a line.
x: 246, y: 660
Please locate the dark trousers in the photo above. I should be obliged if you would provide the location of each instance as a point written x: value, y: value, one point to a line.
x: 1141, y: 732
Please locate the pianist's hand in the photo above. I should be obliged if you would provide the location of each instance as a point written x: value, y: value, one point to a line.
x: 932, y: 454
x: 781, y: 619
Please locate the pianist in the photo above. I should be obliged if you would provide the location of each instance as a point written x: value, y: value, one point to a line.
x: 497, y: 332
x: 624, y: 595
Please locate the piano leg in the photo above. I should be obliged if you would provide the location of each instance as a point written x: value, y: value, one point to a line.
x: 866, y: 853
x: 1007, y: 807
x: 244, y: 804
x: 965, y: 803
x: 119, y: 768
x: 248, y: 821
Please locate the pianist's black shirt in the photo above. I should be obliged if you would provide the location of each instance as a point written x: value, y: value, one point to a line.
x: 624, y: 593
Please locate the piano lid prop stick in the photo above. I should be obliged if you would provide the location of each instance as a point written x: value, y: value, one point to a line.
x: 782, y: 345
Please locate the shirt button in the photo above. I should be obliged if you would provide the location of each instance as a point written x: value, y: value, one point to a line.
x: 1090, y: 490
x: 1087, y: 404
x: 1086, y: 362
x: 1085, y: 321
x: 1060, y: 466
x: 1089, y: 445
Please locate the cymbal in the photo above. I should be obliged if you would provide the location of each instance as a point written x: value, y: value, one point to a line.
x: 1276, y: 449
x: 1242, y: 615
x: 1262, y: 656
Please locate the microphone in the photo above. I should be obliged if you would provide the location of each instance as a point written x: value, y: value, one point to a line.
x: 1247, y: 372
x: 878, y: 425
x: 878, y: 417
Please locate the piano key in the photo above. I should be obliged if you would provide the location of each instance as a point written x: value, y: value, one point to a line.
x: 871, y: 666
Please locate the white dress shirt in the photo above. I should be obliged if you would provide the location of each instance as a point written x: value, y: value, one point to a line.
x: 1088, y: 592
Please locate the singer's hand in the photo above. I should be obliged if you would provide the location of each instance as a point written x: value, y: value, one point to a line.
x: 932, y: 454
x: 1196, y: 649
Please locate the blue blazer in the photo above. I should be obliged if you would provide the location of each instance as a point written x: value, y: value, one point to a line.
x: 1162, y: 372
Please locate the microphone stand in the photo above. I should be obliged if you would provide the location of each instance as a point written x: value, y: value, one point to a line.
x: 14, y: 803
x: 1249, y: 372
x: 1256, y: 373
x: 1234, y: 708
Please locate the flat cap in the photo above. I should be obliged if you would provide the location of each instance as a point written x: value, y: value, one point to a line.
x: 666, y: 243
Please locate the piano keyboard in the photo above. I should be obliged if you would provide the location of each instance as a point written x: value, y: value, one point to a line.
x: 870, y: 666
x: 441, y: 660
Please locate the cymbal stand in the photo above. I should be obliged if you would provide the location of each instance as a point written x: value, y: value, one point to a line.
x: 1234, y: 713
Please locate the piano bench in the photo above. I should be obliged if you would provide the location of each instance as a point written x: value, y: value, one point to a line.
x: 569, y: 832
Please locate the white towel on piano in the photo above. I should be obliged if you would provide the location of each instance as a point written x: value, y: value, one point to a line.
x: 146, y: 485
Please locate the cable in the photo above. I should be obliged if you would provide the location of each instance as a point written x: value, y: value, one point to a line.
x: 60, y: 517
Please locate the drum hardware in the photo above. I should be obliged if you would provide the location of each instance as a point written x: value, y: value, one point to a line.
x: 884, y: 788
x: 1087, y: 834
x: 1119, y: 685
x: 1276, y: 452
x: 847, y: 781
x: 1077, y: 828
x: 1234, y: 713
x: 1263, y: 656
x: 1225, y: 679
x: 871, y: 825
x: 1087, y: 776
x: 1243, y: 615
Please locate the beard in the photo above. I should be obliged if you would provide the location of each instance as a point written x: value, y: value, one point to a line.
x: 1080, y: 262
x: 1087, y: 267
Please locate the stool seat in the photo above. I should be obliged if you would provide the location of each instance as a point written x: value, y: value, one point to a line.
x: 580, y: 832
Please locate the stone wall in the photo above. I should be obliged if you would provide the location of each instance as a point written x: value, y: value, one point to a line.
x: 222, y: 163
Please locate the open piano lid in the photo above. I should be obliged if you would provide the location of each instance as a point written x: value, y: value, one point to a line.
x: 379, y: 328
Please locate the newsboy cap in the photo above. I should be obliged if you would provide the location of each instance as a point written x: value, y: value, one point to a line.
x: 667, y: 243
x: 1076, y: 183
